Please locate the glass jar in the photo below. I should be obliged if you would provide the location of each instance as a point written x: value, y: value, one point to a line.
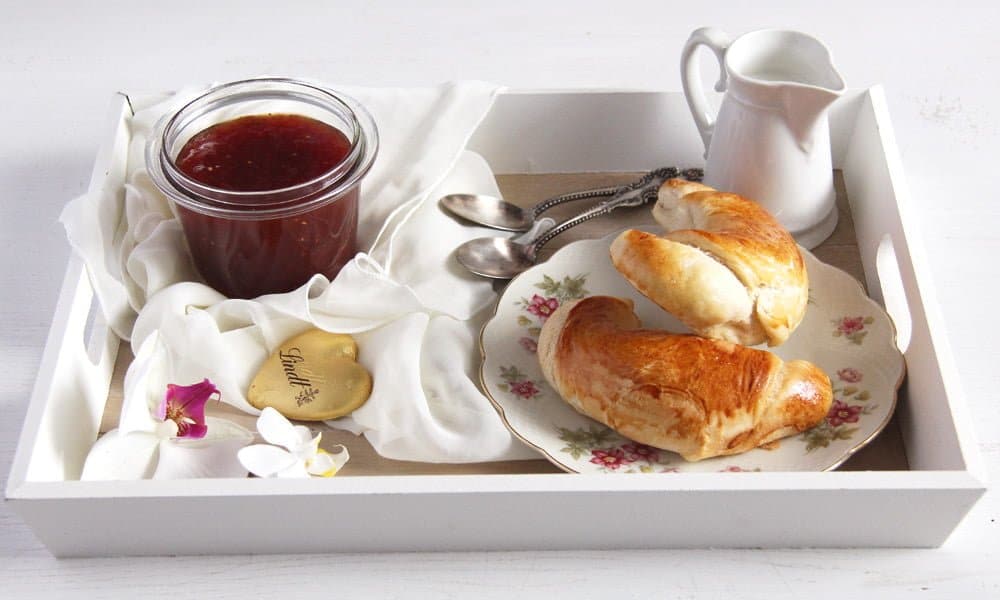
x: 263, y: 204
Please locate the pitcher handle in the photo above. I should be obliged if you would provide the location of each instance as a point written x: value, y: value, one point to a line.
x: 718, y: 41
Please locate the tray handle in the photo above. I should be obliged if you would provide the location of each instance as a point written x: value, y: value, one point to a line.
x: 893, y: 293
x: 72, y: 386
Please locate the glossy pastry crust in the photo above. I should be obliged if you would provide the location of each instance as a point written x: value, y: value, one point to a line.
x: 760, y: 294
x: 697, y: 397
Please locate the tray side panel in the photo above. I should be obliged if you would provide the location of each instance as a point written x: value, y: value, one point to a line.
x: 498, y: 520
x: 879, y: 201
x: 42, y: 454
x: 71, y: 387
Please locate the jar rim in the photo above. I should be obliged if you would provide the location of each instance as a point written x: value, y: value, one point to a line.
x: 271, y: 203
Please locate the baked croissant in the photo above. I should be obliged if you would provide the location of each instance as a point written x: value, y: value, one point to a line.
x: 695, y: 396
x: 726, y: 268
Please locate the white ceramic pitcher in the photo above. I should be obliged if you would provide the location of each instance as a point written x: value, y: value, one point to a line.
x: 771, y: 138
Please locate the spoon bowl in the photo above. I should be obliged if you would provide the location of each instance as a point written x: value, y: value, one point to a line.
x: 496, y: 258
x: 500, y: 214
x: 488, y: 210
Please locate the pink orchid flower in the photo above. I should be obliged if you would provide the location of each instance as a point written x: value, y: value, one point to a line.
x: 184, y: 406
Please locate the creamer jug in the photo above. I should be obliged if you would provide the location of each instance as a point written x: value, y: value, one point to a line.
x: 771, y: 139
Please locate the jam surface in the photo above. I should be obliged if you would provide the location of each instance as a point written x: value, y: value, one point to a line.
x: 262, y: 152
x: 245, y: 258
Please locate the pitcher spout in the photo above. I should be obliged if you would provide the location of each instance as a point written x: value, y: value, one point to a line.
x: 807, y: 98
x: 805, y: 109
x: 823, y: 78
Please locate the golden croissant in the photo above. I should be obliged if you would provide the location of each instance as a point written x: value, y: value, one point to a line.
x: 726, y: 268
x: 695, y: 396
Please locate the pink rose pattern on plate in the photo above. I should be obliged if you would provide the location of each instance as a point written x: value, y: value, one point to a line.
x: 850, y: 403
x: 529, y: 344
x: 613, y: 453
x: 542, y: 307
x: 852, y: 328
x: 536, y: 310
x: 849, y: 375
x: 518, y: 383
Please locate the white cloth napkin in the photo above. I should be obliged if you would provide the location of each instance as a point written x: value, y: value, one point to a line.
x: 415, y: 312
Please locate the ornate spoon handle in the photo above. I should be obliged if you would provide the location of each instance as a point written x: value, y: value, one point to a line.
x: 635, y: 194
x: 545, y: 205
x: 663, y: 174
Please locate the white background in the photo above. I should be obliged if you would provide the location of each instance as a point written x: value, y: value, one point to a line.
x: 60, y: 63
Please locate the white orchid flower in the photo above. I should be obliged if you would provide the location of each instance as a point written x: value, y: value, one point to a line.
x: 172, y: 440
x: 299, y: 454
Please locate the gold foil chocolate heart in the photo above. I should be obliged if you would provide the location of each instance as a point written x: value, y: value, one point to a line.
x: 312, y: 377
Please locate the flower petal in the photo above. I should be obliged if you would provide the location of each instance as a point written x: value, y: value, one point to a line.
x: 326, y: 464
x: 322, y: 465
x: 296, y: 471
x: 276, y: 429
x: 166, y: 429
x: 185, y: 404
x: 121, y: 456
x: 266, y: 461
x: 182, y: 460
x: 214, y: 455
x: 161, y: 409
x: 308, y: 445
x: 312, y: 448
x: 139, y: 401
x: 304, y: 441
x: 193, y: 398
x: 219, y: 430
x: 195, y: 431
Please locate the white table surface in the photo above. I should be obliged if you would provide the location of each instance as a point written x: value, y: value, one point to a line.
x: 938, y: 60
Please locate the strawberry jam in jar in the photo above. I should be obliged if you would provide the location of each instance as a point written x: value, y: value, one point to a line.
x: 264, y: 176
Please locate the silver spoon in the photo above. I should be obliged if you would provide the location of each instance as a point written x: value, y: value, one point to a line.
x: 503, y: 258
x: 500, y: 214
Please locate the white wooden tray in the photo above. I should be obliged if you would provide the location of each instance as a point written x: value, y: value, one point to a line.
x: 529, y: 132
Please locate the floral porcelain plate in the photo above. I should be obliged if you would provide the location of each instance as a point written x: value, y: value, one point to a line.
x: 844, y: 332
